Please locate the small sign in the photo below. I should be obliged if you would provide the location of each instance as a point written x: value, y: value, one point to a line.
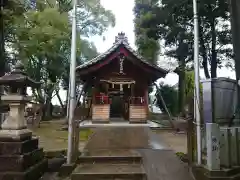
x: 213, y: 146
x: 121, y: 60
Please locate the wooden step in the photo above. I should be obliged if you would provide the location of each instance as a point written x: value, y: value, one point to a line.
x: 109, y: 172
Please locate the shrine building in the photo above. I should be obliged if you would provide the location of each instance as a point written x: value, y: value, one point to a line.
x: 118, y: 80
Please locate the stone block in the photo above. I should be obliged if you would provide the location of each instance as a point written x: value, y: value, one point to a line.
x: 136, y: 121
x: 15, y: 135
x: 213, y: 146
x: 21, y: 159
x: 19, y: 163
x: 33, y: 173
x: 55, y: 164
x: 234, y: 147
x: 67, y: 169
x: 18, y: 147
x: 225, y: 154
x: 100, y: 121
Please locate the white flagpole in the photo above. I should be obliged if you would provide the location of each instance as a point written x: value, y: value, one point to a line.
x: 72, y: 81
x: 197, y: 91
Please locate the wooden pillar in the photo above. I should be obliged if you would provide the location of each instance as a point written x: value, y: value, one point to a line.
x: 132, y: 90
x: 93, y: 95
x: 146, y: 100
x: 107, y: 88
x: 93, y: 101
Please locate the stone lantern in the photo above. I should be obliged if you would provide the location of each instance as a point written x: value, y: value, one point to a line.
x: 15, y: 126
x: 20, y: 156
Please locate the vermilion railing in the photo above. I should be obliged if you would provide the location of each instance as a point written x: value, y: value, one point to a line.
x: 102, y: 99
x: 137, y: 101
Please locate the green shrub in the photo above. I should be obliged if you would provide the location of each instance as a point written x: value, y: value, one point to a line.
x: 170, y: 97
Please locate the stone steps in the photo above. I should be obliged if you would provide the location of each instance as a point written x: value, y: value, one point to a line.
x: 108, y: 159
x: 109, y: 165
x: 111, y: 152
x: 108, y: 171
x: 110, y: 156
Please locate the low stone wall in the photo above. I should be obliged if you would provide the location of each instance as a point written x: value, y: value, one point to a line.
x: 100, y: 113
x: 137, y: 114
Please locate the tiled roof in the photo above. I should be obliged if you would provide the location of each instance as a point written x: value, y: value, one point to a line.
x: 120, y: 40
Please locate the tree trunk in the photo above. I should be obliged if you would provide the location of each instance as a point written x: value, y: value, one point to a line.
x: 203, y: 51
x: 48, y: 113
x: 48, y: 107
x: 235, y: 23
x: 60, y: 101
x: 182, y: 52
x: 181, y: 86
x: 214, y: 52
x: 80, y: 94
x: 2, y: 57
x: 164, y: 104
x: 2, y: 43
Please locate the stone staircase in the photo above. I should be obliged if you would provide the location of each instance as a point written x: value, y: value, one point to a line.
x: 109, y: 165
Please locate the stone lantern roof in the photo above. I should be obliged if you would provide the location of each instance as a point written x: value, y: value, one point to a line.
x: 18, y: 78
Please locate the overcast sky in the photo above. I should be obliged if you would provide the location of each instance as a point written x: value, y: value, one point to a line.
x: 123, y: 11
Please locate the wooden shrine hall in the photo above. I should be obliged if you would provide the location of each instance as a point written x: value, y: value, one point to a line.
x: 116, y: 83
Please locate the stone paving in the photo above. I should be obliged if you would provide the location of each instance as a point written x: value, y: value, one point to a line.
x: 118, y: 138
x: 164, y: 165
x: 120, y: 123
x: 123, y: 151
x: 176, y: 141
x: 159, y: 161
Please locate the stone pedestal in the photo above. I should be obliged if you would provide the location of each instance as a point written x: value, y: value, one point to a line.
x: 20, y: 156
x: 21, y: 160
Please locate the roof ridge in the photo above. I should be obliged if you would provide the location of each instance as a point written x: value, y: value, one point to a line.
x: 120, y: 39
x: 100, y: 56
